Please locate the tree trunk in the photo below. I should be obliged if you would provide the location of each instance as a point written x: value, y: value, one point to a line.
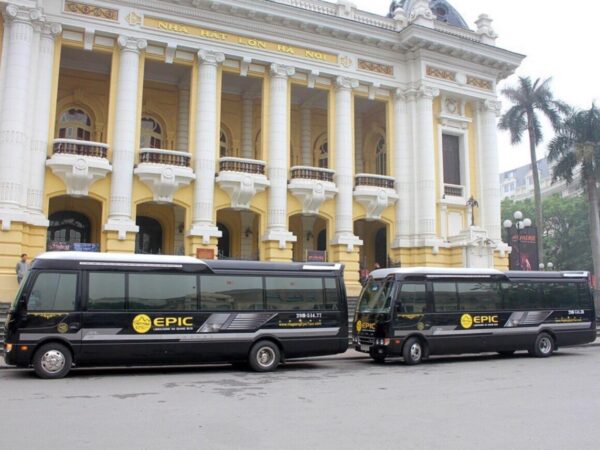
x: 594, y: 218
x: 537, y: 194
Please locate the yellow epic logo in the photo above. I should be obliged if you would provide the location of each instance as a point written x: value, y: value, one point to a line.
x: 142, y: 323
x: 466, y: 321
x: 358, y: 326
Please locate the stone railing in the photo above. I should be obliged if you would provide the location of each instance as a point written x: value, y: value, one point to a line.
x: 313, y: 5
x: 80, y: 148
x: 454, y: 190
x: 455, y: 31
x: 243, y: 165
x: 168, y: 157
x: 367, y: 179
x: 312, y: 173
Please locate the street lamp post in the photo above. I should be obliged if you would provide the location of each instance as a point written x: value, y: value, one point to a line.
x: 519, y: 225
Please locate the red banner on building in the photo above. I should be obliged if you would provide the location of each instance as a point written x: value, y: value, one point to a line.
x: 524, y: 255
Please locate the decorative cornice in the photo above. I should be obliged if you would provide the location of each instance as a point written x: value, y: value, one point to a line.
x: 442, y: 74
x: 282, y: 71
x: 210, y: 58
x: 90, y: 10
x: 480, y: 83
x: 370, y: 66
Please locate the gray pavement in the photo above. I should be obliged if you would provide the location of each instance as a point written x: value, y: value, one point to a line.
x: 465, y: 402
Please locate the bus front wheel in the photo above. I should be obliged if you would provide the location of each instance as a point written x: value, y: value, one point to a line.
x: 52, y: 361
x: 413, y: 351
x: 543, y: 346
x: 264, y: 356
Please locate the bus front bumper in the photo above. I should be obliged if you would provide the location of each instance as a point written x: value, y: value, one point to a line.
x: 17, y: 355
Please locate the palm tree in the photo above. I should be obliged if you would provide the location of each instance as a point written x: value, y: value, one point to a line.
x: 528, y: 98
x: 576, y: 146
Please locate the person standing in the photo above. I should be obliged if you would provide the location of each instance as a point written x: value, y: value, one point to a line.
x: 22, y: 268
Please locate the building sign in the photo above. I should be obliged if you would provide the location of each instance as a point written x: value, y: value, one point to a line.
x: 524, y: 255
x: 59, y: 246
x: 316, y: 256
x: 205, y: 253
x: 245, y: 41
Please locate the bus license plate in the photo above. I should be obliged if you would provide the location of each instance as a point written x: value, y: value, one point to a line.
x: 364, y: 348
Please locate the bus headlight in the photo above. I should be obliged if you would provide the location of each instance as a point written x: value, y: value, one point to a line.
x: 382, y: 341
x: 8, y: 348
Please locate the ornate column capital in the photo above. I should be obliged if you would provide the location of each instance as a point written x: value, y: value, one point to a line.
x: 51, y: 30
x: 494, y: 106
x: 345, y: 83
x: 210, y: 58
x: 281, y: 71
x: 427, y: 92
x: 131, y: 44
x: 14, y: 13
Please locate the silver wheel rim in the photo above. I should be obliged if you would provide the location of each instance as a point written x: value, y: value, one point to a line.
x: 53, y: 361
x: 545, y: 345
x: 415, y: 352
x: 265, y: 356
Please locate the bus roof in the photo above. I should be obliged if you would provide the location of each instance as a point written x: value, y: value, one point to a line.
x: 119, y: 259
x: 382, y: 273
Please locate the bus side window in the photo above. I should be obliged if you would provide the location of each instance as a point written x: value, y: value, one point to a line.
x: 522, y: 296
x: 412, y: 298
x: 106, y: 291
x: 561, y: 296
x: 479, y: 296
x: 331, y: 294
x: 444, y: 296
x: 53, y: 292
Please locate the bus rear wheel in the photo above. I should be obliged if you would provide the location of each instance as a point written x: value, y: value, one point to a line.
x: 264, y: 356
x: 52, y: 361
x: 543, y: 346
x: 413, y: 351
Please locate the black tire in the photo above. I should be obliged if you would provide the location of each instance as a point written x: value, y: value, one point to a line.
x: 413, y: 351
x: 264, y: 356
x: 506, y: 353
x: 52, y: 361
x: 379, y: 358
x: 543, y: 346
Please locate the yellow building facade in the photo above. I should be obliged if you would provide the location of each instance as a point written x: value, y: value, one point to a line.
x: 269, y: 130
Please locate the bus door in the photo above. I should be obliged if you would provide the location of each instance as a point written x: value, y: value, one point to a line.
x: 50, y: 308
x: 411, y: 309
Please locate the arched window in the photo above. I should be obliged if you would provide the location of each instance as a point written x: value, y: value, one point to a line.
x: 75, y: 123
x: 152, y: 134
x: 381, y: 157
x: 324, y: 155
x: 223, y: 144
x: 149, y: 238
x: 69, y: 226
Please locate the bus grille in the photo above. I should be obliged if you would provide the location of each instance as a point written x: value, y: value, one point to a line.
x: 366, y: 340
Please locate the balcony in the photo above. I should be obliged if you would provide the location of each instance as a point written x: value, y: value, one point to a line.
x: 375, y: 193
x: 164, y: 172
x: 312, y: 186
x: 79, y: 164
x: 242, y: 179
x: 454, y: 190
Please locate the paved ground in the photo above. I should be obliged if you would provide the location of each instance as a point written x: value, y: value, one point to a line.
x: 447, y: 403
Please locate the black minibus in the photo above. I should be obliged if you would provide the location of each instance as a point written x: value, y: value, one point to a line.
x: 84, y: 309
x: 417, y: 312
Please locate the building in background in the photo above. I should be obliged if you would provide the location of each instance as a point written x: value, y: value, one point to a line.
x: 251, y: 129
x: 517, y: 184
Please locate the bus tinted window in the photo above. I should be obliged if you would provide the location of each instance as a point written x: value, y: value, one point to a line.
x: 413, y: 298
x: 162, y: 292
x: 230, y: 293
x: 331, y: 294
x: 294, y: 293
x: 53, y: 292
x: 522, y: 296
x: 444, y: 295
x: 561, y: 295
x: 106, y: 291
x: 479, y: 296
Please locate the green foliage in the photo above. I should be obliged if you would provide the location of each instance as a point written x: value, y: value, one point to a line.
x: 565, y: 230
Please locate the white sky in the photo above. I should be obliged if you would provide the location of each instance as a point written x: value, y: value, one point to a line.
x: 557, y: 37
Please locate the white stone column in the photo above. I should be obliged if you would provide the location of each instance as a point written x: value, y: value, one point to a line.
x: 306, y: 137
x: 344, y: 175
x: 16, y: 89
x: 425, y: 176
x: 358, y: 142
x: 247, y: 113
x: 183, y: 117
x: 5, y: 42
x: 206, y: 145
x: 41, y: 124
x: 124, y: 143
x: 403, y: 168
x: 279, y: 145
x: 489, y: 168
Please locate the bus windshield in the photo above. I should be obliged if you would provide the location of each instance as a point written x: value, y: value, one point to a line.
x: 15, y: 302
x: 376, y: 297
